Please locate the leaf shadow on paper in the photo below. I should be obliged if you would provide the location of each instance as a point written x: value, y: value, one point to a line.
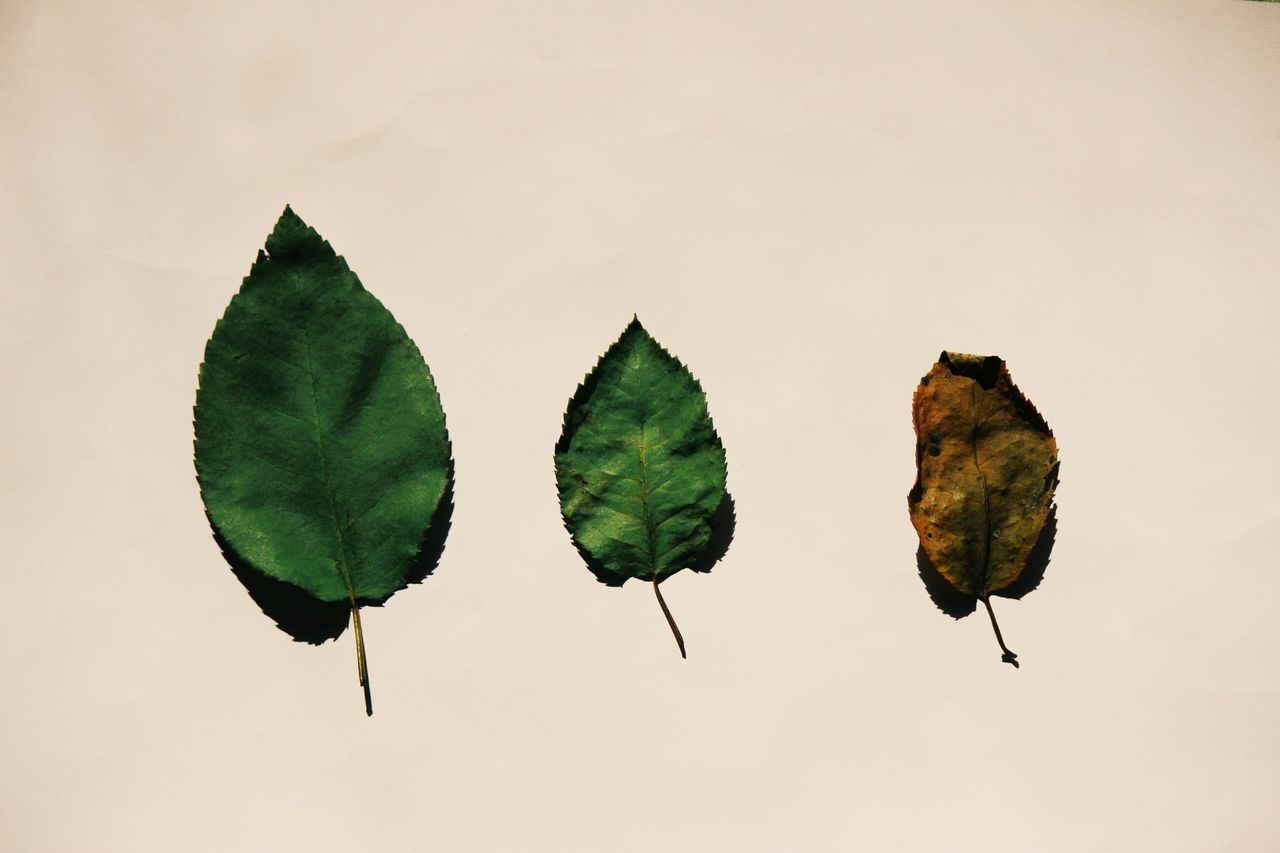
x: 308, y: 620
x: 957, y: 605
x: 724, y: 522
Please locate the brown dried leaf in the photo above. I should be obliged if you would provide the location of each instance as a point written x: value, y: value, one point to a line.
x: 986, y: 468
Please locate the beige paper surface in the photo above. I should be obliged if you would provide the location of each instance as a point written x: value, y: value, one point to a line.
x: 806, y: 202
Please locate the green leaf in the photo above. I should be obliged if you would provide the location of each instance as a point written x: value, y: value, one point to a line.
x: 986, y: 470
x: 321, y: 450
x: 640, y: 469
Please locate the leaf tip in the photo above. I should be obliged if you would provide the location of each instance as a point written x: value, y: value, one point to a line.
x: 290, y: 233
x: 289, y: 218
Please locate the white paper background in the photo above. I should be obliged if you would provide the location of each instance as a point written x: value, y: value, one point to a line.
x: 806, y: 202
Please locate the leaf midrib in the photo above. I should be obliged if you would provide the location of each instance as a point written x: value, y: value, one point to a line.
x: 344, y: 569
x: 986, y: 495
x: 650, y: 528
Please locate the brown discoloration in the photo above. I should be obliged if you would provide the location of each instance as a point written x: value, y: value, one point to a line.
x: 986, y: 468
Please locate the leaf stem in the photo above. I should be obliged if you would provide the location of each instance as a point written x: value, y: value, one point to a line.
x: 1008, y: 656
x: 667, y: 613
x: 362, y: 665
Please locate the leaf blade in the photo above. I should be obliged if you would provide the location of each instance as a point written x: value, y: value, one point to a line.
x: 640, y: 469
x: 321, y: 447
x: 986, y: 469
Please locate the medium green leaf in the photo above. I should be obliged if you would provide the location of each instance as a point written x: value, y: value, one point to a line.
x: 321, y: 449
x: 986, y: 470
x: 640, y: 469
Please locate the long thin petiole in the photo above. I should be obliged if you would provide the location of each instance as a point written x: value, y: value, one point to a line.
x: 667, y: 613
x: 1008, y: 656
x: 362, y: 665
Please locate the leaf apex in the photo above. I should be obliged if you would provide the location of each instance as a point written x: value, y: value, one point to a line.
x: 289, y: 216
x: 291, y: 233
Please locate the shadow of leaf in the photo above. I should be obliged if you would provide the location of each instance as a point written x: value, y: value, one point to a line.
x: 293, y: 609
x: 1037, y: 561
x: 946, y: 597
x: 309, y: 620
x: 724, y: 523
x: 957, y: 605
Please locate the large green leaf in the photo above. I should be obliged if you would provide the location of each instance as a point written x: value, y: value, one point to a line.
x: 986, y: 470
x: 321, y: 448
x: 640, y: 469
